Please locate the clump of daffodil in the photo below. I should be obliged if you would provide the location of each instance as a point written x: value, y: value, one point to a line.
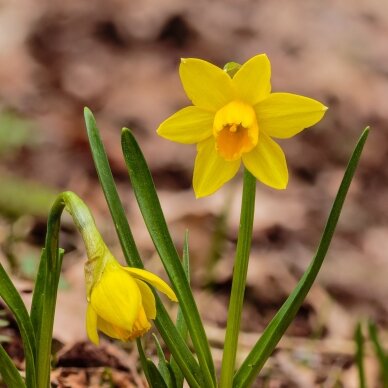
x: 233, y: 119
x: 120, y: 301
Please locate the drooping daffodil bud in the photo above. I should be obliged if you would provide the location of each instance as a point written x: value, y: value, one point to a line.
x: 120, y: 300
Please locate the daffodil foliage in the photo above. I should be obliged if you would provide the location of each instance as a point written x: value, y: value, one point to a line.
x: 233, y: 119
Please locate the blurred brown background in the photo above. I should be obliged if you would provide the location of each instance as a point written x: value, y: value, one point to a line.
x: 121, y: 58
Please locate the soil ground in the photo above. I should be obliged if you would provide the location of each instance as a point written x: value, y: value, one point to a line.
x: 121, y: 59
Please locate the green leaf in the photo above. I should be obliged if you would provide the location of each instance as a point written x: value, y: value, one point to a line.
x: 144, y: 189
x: 152, y: 373
x: 360, y: 354
x: 180, y: 319
x: 14, y: 302
x: 143, y: 360
x: 9, y: 372
x: 155, y: 377
x: 45, y: 293
x: 163, y: 365
x: 380, y: 353
x: 170, y: 335
x: 279, y: 324
x: 109, y: 188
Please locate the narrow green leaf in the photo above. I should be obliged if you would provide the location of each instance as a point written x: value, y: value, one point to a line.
x: 144, y: 189
x: 8, y: 372
x: 38, y: 296
x: 45, y: 294
x: 360, y: 354
x: 170, y: 335
x: 43, y: 310
x: 14, y: 302
x: 163, y: 365
x: 109, y: 188
x: 143, y: 360
x: 155, y: 377
x: 276, y: 328
x: 180, y: 319
x: 151, y: 372
x: 380, y: 353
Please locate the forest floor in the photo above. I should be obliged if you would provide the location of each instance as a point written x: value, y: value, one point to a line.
x: 121, y: 60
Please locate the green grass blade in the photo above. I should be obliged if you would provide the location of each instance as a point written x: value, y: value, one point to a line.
x: 276, y: 328
x: 360, y: 355
x: 14, y: 302
x: 9, y: 373
x: 144, y: 189
x: 180, y: 319
x: 170, y: 335
x: 380, y: 353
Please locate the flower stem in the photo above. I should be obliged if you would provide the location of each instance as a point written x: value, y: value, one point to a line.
x: 44, y: 302
x: 239, y: 280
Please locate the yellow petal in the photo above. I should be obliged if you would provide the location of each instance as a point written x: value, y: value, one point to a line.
x: 252, y: 80
x: 211, y: 171
x: 152, y: 279
x: 283, y: 115
x: 147, y: 299
x: 189, y: 125
x: 267, y: 163
x: 91, y: 325
x: 206, y: 85
x: 116, y: 297
x: 112, y: 330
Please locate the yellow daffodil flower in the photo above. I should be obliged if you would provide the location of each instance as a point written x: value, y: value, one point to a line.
x: 233, y: 119
x: 120, y: 302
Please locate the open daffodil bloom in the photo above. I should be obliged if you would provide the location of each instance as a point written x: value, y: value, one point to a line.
x: 120, y: 302
x: 233, y: 119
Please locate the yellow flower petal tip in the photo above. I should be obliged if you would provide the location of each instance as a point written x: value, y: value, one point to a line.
x: 120, y: 302
x: 233, y: 119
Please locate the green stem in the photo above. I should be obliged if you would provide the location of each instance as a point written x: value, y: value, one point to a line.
x: 239, y: 280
